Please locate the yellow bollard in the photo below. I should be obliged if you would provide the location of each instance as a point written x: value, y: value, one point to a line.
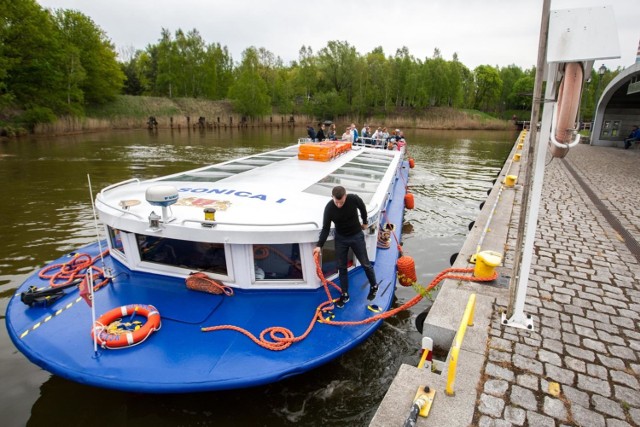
x: 486, y: 262
x: 510, y: 180
x: 520, y: 145
x: 516, y: 157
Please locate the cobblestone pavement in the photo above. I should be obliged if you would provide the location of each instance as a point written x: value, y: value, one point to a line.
x: 584, y: 297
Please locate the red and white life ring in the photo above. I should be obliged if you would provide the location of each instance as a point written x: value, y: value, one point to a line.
x: 125, y: 338
x: 566, y: 111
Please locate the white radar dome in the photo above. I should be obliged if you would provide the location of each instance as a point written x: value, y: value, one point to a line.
x: 162, y: 195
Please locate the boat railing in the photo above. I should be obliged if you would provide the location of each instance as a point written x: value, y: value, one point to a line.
x: 119, y: 184
x: 205, y: 223
x: 117, y: 208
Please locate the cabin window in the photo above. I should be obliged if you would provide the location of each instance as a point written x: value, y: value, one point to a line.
x: 201, y: 256
x: 115, y: 237
x: 329, y: 261
x: 277, y: 262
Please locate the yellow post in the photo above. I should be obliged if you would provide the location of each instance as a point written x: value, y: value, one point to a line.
x: 451, y: 377
x: 467, y: 320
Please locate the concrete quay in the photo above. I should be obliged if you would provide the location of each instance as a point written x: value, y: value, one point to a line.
x: 580, y: 365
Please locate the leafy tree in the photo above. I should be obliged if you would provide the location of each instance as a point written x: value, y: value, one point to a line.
x: 249, y: 92
x: 31, y: 74
x: 90, y: 64
x: 337, y: 66
x: 487, y: 87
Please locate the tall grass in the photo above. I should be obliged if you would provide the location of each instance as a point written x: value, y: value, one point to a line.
x: 132, y: 112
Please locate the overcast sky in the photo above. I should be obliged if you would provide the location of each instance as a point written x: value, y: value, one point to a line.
x: 493, y: 32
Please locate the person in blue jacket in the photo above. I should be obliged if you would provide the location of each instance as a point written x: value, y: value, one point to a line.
x: 634, y: 136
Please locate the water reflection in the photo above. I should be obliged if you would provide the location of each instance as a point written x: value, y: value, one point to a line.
x: 50, y: 214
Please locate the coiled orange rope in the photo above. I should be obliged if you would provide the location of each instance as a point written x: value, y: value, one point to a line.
x: 76, y: 268
x: 281, y: 338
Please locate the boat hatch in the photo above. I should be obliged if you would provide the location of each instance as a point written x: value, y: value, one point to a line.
x: 362, y: 175
x: 217, y: 172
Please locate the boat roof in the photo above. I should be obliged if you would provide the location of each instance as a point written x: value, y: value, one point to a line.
x: 274, y: 189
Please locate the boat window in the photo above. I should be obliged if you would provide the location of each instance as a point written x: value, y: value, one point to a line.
x: 201, y: 256
x: 277, y: 262
x: 115, y: 237
x: 329, y: 261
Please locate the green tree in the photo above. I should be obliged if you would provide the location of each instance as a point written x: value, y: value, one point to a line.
x: 487, y: 87
x: 337, y: 65
x: 31, y: 74
x: 249, y: 92
x: 89, y: 59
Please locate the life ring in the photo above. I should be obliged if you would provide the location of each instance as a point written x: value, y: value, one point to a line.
x: 566, y: 111
x: 113, y: 337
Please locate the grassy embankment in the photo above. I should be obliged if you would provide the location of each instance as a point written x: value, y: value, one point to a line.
x: 132, y: 112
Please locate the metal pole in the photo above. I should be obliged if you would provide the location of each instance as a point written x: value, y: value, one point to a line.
x: 515, y: 313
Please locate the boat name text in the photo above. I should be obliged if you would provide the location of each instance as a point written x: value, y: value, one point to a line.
x: 238, y: 193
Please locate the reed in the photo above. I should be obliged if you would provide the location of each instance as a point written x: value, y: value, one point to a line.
x: 132, y: 112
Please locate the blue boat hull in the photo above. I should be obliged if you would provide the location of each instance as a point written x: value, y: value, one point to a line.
x: 180, y: 357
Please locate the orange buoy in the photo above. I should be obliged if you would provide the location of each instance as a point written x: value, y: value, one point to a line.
x: 408, y: 201
x: 113, y: 337
x: 412, y: 163
x: 406, y: 271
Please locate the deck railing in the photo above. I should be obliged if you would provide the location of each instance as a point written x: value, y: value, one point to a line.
x: 467, y: 320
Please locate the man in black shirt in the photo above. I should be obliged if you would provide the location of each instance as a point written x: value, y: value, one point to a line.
x: 342, y: 210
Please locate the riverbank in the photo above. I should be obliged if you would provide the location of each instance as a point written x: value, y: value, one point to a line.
x: 134, y: 112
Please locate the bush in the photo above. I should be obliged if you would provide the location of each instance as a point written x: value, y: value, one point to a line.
x: 36, y: 115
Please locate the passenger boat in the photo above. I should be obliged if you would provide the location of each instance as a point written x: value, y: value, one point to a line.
x: 227, y: 247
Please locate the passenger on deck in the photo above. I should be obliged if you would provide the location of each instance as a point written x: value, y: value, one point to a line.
x: 347, y: 135
x: 634, y: 136
x: 332, y: 133
x: 311, y: 132
x: 354, y: 132
x: 320, y: 135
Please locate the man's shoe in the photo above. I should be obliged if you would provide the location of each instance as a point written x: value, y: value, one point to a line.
x: 344, y: 298
x: 372, y: 292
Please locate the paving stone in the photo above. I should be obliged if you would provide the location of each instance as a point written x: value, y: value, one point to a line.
x: 553, y: 345
x: 499, y: 372
x: 555, y: 408
x: 514, y: 415
x: 607, y: 337
x: 595, y: 385
x: 563, y: 376
x: 607, y: 327
x: 548, y: 357
x: 634, y: 415
x: 528, y: 381
x: 491, y: 405
x: 582, y: 321
x: 611, y: 362
x: 612, y: 422
x: 625, y: 394
x: 572, y: 339
x: 523, y: 397
x: 585, y: 417
x: 580, y: 353
x: 496, y: 387
x: 625, y: 379
x: 622, y: 352
x: 607, y: 406
x: 596, y: 346
x: 499, y: 356
x: 538, y: 420
x: 586, y: 332
x: 500, y: 344
x: 597, y: 371
x: 527, y: 364
x: 525, y: 350
x: 600, y: 317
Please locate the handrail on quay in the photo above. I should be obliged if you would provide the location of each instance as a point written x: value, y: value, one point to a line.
x: 467, y: 320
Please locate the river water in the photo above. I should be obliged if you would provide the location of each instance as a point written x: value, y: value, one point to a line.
x: 45, y: 212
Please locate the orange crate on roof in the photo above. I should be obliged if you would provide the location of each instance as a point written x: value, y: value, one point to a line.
x: 315, y: 150
x: 322, y: 157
